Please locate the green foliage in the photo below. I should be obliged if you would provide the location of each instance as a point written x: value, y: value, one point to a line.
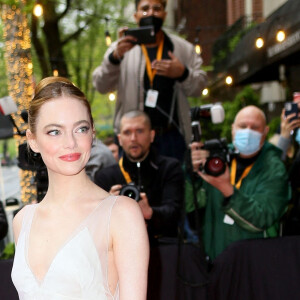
x: 229, y: 43
x: 244, y: 98
x: 274, y: 124
x: 11, y: 147
x: 83, y: 51
x: 8, y: 252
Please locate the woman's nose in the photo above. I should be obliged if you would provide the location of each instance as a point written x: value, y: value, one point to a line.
x: 69, y: 141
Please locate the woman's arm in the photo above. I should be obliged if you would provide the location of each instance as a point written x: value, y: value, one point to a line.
x: 131, y: 249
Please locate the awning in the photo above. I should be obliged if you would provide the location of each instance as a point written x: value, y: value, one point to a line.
x: 247, y: 64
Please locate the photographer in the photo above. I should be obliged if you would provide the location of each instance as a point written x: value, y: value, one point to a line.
x: 156, y: 77
x: 249, y: 198
x: 159, y: 179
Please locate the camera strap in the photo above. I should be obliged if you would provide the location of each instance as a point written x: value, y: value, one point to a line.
x: 125, y: 174
x: 233, y: 173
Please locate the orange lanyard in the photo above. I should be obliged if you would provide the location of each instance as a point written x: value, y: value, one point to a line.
x: 233, y: 173
x: 125, y: 174
x: 150, y: 72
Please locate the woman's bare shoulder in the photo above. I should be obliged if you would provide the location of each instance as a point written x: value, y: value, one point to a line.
x: 127, y: 206
x: 126, y: 210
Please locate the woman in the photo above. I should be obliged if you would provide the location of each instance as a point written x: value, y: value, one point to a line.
x: 79, y: 242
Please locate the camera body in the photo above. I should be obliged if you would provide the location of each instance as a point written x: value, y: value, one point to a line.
x: 219, y: 153
x: 131, y: 190
x: 219, y: 156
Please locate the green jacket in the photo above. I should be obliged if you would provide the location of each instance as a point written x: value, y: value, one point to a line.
x: 254, y: 210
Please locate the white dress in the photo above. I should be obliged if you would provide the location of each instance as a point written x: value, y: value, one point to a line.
x: 80, y: 268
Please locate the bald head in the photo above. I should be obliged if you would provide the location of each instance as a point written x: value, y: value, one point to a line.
x: 251, y: 112
x: 251, y: 117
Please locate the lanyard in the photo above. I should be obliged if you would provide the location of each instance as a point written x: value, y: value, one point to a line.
x: 233, y: 173
x: 150, y: 72
x: 125, y: 174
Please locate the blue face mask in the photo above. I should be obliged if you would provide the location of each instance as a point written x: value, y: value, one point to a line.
x: 297, y: 137
x: 247, y: 141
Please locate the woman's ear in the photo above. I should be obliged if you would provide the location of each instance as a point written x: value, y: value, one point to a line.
x: 32, y: 141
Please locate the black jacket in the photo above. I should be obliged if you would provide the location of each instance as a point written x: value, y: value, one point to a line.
x: 163, y: 182
x: 3, y: 222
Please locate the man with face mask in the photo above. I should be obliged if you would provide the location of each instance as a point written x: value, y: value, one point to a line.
x: 156, y: 78
x: 249, y: 198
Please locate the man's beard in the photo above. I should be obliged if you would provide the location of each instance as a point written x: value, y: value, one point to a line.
x: 139, y: 158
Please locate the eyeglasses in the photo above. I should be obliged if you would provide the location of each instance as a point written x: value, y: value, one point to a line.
x: 156, y: 8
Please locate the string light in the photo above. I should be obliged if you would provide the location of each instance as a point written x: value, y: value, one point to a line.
x: 259, y: 43
x: 19, y: 66
x: 280, y: 36
x: 112, y: 97
x: 107, y: 38
x: 38, y: 9
x: 198, y: 49
x: 228, y: 80
x: 107, y: 35
x: 205, y: 92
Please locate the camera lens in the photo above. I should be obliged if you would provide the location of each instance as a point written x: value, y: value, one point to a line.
x: 215, y: 166
x: 130, y: 194
x: 130, y: 191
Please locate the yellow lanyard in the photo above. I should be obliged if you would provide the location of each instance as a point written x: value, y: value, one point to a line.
x: 125, y: 174
x: 233, y: 173
x: 150, y: 72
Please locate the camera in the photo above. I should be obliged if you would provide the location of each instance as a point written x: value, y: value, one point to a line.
x: 131, y: 190
x: 219, y: 153
x: 219, y: 156
x: 144, y: 34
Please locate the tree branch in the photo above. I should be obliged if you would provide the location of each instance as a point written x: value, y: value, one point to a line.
x: 40, y: 51
x: 77, y: 33
x: 68, y: 5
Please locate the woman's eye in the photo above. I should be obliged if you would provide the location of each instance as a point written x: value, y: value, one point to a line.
x: 83, y: 129
x: 53, y: 132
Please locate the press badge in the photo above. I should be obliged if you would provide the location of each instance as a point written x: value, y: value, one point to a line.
x: 151, y: 98
x: 228, y: 220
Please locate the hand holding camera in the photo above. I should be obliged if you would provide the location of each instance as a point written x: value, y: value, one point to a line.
x: 218, y: 157
x: 132, y: 191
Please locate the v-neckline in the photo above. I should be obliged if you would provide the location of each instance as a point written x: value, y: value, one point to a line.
x: 73, y: 234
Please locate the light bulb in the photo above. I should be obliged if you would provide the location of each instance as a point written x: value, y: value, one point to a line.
x: 38, y: 10
x: 228, y: 80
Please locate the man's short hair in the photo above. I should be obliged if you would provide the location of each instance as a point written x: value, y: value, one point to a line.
x: 163, y: 2
x: 135, y: 114
x: 109, y: 140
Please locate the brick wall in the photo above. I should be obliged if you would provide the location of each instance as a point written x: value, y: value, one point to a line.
x: 207, y: 15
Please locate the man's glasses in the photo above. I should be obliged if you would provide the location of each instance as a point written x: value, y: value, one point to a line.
x: 156, y: 8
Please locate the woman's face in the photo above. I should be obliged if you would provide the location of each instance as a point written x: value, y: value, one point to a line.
x: 64, y: 135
